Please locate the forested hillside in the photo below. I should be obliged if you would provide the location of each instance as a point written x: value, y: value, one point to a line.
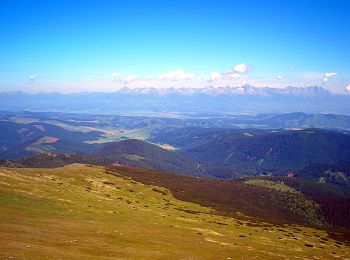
x: 139, y: 153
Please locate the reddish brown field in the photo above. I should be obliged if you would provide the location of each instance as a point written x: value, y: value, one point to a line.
x: 231, y: 198
x: 226, y: 197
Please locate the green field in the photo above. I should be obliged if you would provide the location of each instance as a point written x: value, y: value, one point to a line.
x: 280, y: 186
x: 81, y: 212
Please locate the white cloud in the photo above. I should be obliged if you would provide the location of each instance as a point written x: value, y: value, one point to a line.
x: 33, y: 77
x: 128, y: 79
x: 328, y: 75
x: 241, y: 68
x: 117, y: 78
x: 115, y: 75
x: 239, y: 71
x: 175, y: 75
x: 236, y: 75
x: 279, y: 77
x: 348, y: 88
x: 215, y: 75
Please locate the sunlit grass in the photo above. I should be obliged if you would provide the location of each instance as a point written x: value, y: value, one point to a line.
x: 81, y: 212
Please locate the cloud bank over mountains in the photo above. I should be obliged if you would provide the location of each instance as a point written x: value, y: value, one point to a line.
x: 237, y: 76
x: 245, y: 99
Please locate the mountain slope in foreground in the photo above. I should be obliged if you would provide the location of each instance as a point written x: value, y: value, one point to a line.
x: 89, y: 212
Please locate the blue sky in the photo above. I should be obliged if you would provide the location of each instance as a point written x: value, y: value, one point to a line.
x: 73, y: 46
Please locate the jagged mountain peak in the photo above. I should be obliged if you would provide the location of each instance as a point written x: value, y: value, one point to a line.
x: 228, y: 90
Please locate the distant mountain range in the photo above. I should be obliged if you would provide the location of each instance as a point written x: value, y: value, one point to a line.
x: 228, y: 90
x: 222, y: 100
x: 198, y: 151
x: 266, y: 144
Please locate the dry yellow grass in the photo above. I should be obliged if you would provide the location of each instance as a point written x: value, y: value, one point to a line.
x: 81, y: 212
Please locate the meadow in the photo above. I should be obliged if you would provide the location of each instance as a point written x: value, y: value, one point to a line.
x: 80, y: 211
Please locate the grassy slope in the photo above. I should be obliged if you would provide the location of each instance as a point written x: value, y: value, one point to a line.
x: 81, y: 212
